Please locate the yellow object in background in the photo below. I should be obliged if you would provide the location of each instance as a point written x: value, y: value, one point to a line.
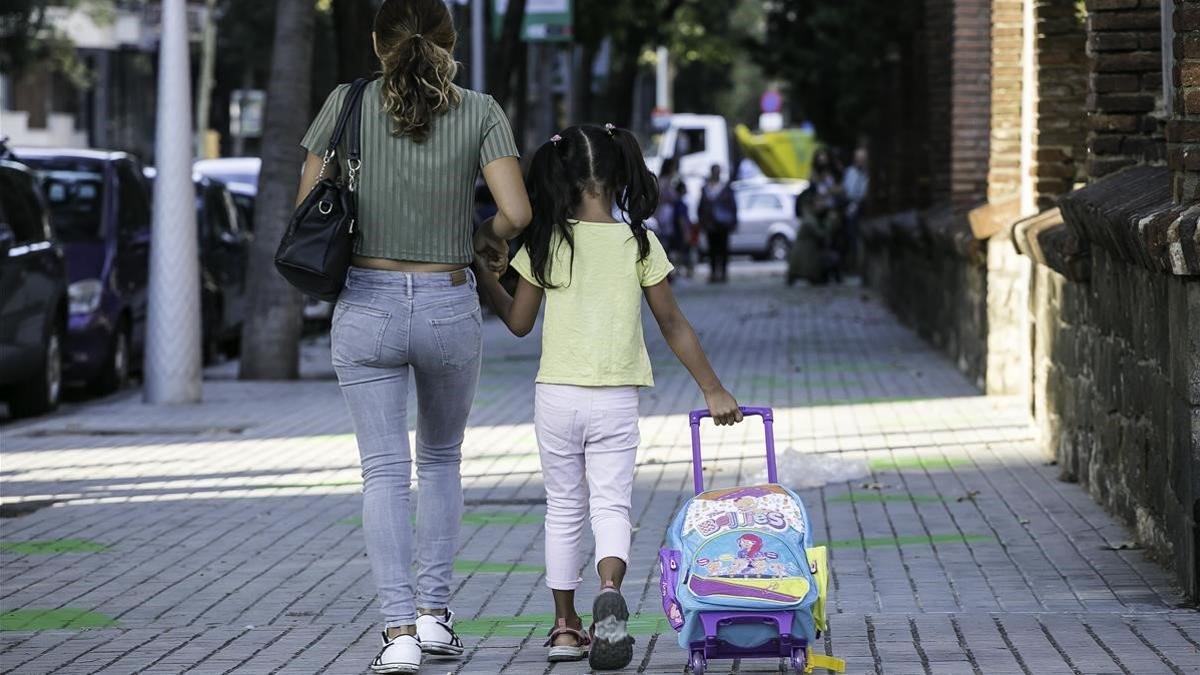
x: 779, y: 154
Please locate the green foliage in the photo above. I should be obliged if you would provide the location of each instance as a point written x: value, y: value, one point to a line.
x: 831, y: 54
x: 28, y: 39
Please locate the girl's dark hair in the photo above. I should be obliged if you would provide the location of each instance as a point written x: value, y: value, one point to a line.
x: 415, y: 39
x: 596, y: 160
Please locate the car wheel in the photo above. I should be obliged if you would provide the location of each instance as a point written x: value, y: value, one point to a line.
x: 778, y: 248
x: 42, y: 392
x: 116, y: 371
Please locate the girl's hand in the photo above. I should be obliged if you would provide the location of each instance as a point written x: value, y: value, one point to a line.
x: 724, y: 408
x: 490, y: 250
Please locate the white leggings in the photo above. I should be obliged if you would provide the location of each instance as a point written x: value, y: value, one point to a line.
x: 588, y: 439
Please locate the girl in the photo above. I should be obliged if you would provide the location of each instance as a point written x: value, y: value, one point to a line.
x: 593, y: 272
x: 409, y: 305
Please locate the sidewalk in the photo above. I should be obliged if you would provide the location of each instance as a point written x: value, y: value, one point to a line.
x: 225, y: 537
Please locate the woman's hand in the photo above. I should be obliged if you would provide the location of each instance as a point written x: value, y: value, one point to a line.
x: 723, y: 407
x: 490, y: 250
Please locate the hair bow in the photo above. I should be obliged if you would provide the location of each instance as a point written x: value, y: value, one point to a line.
x: 610, y: 128
x: 555, y: 139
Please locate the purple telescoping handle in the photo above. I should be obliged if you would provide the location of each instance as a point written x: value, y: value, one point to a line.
x: 747, y: 411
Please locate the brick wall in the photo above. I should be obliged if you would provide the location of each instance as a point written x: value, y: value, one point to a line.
x: 1183, y: 132
x: 939, y: 43
x: 1062, y: 83
x: 1124, y: 85
x: 1004, y: 167
x: 970, y: 127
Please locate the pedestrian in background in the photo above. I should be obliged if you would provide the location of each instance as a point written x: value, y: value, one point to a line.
x: 674, y: 224
x: 409, y: 306
x: 718, y: 219
x: 593, y: 272
x: 855, y: 183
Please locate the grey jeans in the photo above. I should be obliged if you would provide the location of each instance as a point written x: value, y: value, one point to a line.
x: 385, y: 325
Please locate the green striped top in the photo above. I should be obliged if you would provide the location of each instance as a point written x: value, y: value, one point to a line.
x: 415, y: 200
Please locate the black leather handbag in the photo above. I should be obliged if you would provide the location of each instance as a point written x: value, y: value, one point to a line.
x: 314, y: 254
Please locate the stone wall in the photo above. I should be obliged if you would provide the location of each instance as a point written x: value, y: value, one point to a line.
x: 932, y: 273
x: 1116, y: 388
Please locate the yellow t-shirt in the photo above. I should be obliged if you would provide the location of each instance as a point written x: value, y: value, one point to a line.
x: 592, y: 330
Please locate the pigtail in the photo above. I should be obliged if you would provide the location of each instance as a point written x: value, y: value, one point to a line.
x: 635, y: 188
x: 552, y: 196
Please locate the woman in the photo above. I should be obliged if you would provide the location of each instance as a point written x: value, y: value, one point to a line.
x: 410, y: 305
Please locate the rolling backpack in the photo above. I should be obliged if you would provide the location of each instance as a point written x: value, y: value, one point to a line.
x: 740, y: 575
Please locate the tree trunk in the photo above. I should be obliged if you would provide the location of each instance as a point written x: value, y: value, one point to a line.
x: 271, y: 334
x: 620, y: 85
x: 507, y: 52
x: 584, y: 85
x: 352, y: 21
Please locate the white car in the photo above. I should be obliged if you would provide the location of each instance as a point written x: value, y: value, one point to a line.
x: 767, y: 222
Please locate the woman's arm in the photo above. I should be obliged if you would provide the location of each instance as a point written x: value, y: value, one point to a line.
x: 683, y: 341
x: 518, y: 313
x: 507, y: 185
x: 308, y: 176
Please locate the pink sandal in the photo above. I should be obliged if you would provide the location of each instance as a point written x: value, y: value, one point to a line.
x: 576, y: 652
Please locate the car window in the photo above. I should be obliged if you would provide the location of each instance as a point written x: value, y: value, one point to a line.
x: 21, y: 210
x: 765, y: 202
x: 220, y: 212
x: 74, y: 191
x: 689, y: 142
x: 133, y: 207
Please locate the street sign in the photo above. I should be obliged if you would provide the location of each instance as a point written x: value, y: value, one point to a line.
x: 771, y: 101
x: 545, y: 20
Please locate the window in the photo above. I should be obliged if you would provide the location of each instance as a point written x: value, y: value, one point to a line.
x: 133, y: 210
x: 765, y: 202
x: 22, y: 211
x: 74, y: 191
x: 689, y: 142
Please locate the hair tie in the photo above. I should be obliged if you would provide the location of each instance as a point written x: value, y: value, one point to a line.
x: 555, y: 139
x: 417, y: 36
x: 610, y: 128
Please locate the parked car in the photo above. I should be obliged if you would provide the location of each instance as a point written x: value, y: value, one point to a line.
x: 33, y: 297
x: 767, y: 222
x: 240, y: 175
x: 100, y: 211
x: 224, y: 243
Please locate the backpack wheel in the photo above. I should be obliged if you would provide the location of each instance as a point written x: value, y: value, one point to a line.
x: 698, y: 663
x: 799, y: 661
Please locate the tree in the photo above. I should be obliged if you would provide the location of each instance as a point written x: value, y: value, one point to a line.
x: 507, y: 53
x: 352, y: 23
x: 271, y: 335
x: 831, y: 53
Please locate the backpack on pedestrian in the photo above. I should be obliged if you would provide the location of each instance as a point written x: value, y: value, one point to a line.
x: 741, y: 577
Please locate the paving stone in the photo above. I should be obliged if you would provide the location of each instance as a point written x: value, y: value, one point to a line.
x: 233, y: 543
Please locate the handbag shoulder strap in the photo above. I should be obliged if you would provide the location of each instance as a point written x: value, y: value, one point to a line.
x: 350, y: 106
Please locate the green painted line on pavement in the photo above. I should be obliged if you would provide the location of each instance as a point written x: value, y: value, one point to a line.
x: 54, y: 619
x: 873, y: 542
x: 476, y: 519
x: 501, y: 518
x: 51, y: 546
x: 876, y: 498
x: 480, y: 567
x: 526, y: 624
x: 866, y: 400
x: 888, y: 464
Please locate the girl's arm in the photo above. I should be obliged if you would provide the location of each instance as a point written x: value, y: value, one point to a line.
x: 683, y: 341
x: 518, y: 313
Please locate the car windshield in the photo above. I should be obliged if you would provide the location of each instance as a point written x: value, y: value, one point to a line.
x: 74, y: 191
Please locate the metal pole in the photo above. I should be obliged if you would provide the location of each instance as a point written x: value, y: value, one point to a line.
x: 172, y: 361
x: 662, y: 79
x: 477, y: 20
x: 207, y: 65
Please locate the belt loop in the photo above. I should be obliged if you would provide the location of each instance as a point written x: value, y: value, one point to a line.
x: 408, y: 278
